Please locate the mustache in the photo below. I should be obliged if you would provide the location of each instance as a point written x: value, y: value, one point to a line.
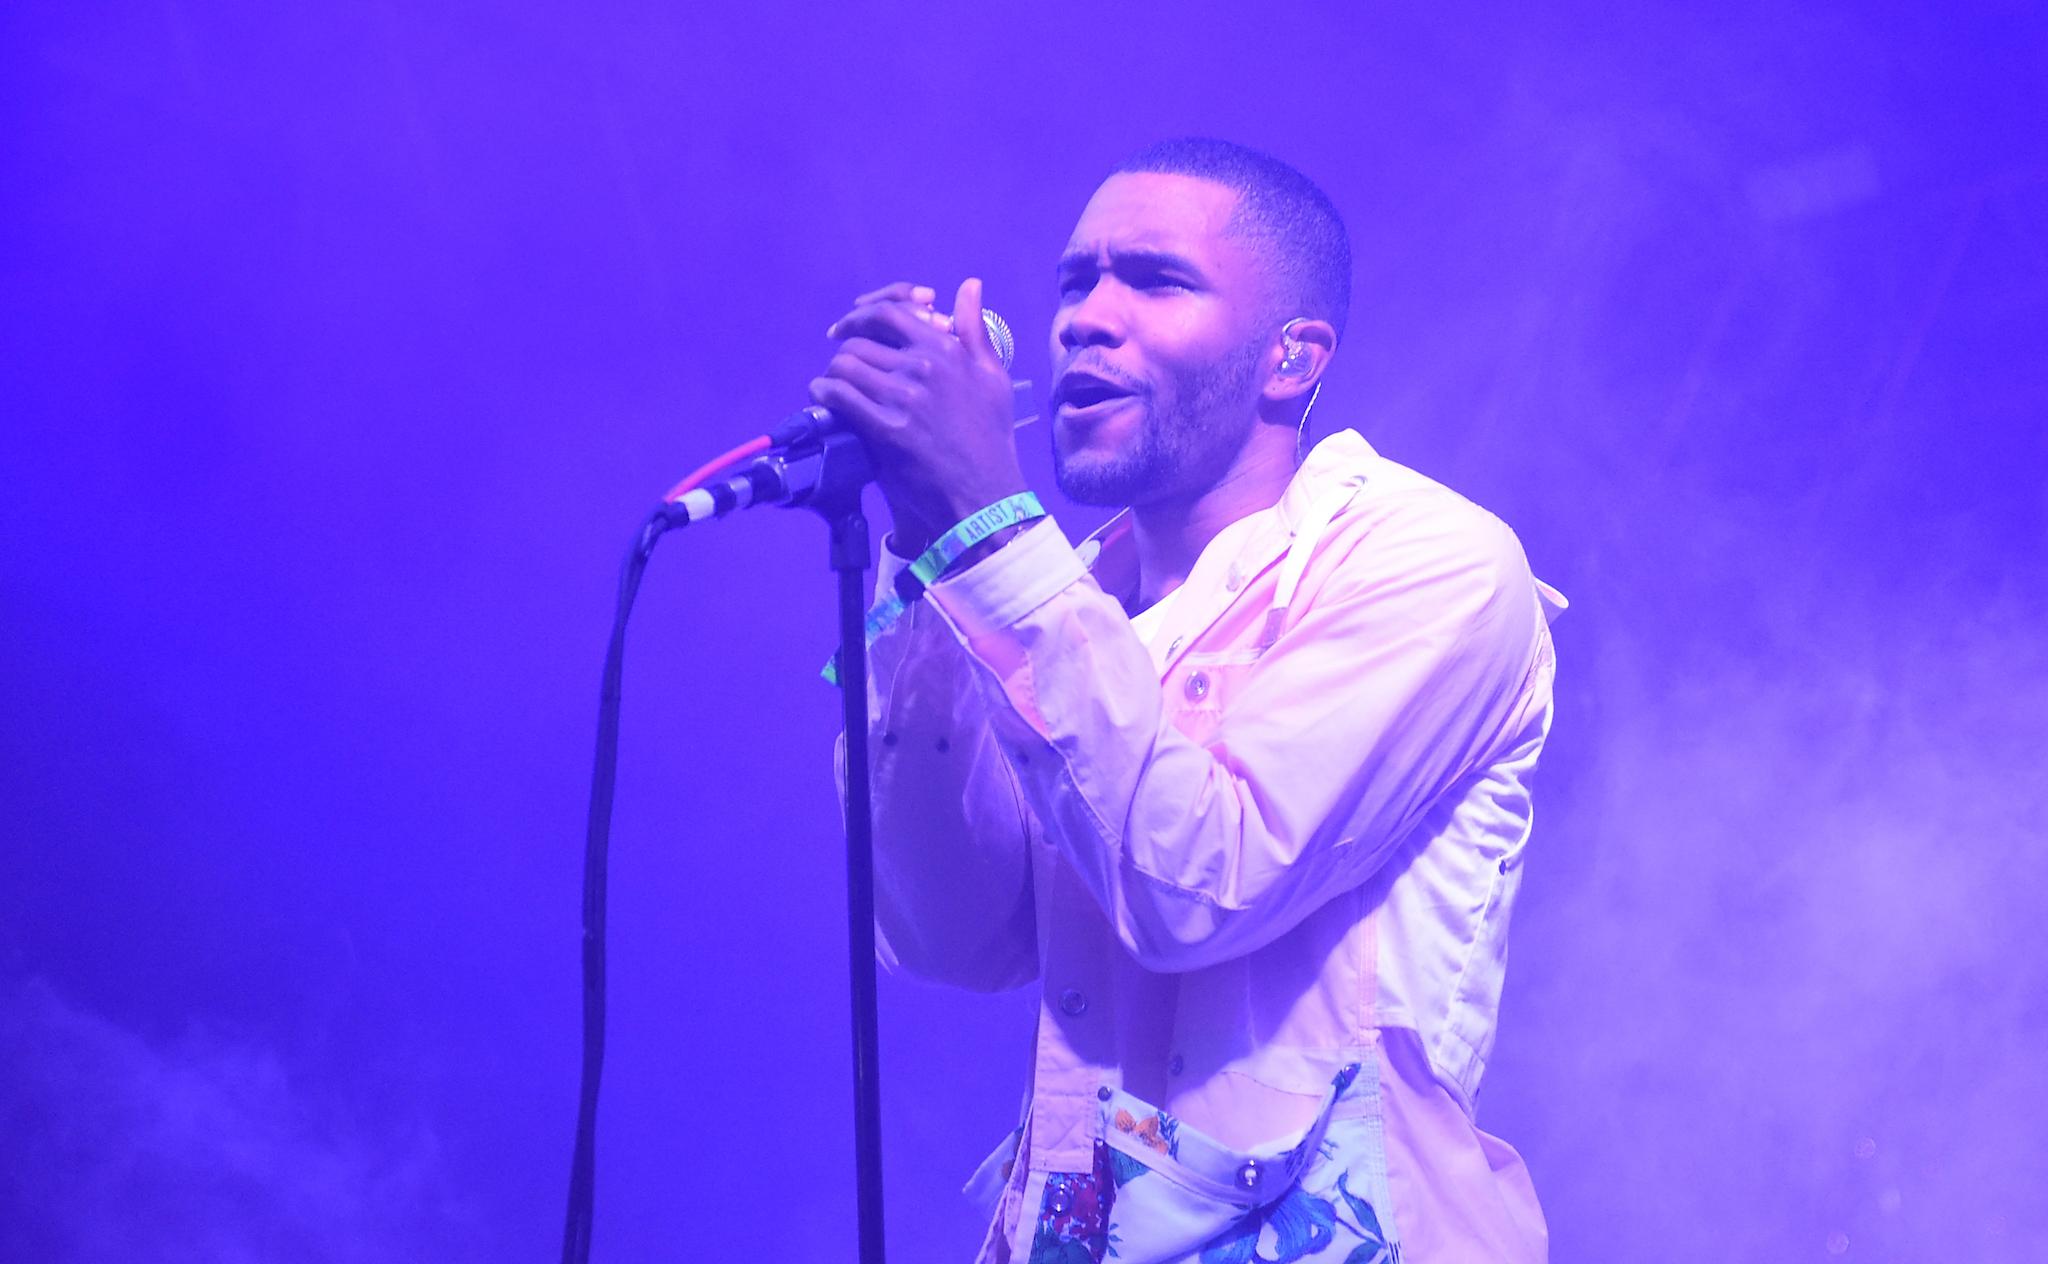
x: 1101, y: 371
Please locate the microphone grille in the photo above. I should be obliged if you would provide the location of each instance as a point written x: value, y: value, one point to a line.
x: 999, y: 335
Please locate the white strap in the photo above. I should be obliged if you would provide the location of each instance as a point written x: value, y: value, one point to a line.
x: 1306, y: 532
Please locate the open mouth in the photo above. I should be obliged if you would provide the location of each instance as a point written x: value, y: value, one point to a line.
x: 1083, y: 395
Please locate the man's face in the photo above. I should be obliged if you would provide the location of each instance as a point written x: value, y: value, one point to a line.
x: 1156, y: 344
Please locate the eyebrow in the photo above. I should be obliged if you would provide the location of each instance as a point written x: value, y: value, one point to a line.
x: 1157, y: 260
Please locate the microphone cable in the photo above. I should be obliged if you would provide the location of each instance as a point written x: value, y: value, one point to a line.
x: 702, y: 474
x: 604, y: 778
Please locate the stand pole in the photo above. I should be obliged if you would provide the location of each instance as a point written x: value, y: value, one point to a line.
x: 850, y: 560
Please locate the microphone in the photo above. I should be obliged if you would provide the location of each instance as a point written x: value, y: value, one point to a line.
x: 806, y: 425
x: 811, y: 446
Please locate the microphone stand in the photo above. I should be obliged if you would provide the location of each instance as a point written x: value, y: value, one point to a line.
x: 844, y: 470
x: 824, y: 473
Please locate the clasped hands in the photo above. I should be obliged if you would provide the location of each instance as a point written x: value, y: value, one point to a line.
x: 931, y: 399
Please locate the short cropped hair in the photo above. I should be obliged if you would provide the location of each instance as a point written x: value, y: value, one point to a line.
x: 1293, y: 223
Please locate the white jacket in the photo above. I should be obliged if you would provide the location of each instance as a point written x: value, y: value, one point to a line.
x: 1275, y: 837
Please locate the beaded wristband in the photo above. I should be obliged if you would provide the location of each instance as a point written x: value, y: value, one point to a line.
x: 938, y: 559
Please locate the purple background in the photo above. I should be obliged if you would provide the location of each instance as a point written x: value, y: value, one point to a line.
x: 344, y: 348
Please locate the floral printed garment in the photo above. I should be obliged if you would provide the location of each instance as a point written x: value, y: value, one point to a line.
x: 1157, y: 1193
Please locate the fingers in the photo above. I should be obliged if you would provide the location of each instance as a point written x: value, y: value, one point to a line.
x: 967, y: 323
x: 901, y: 292
x: 847, y: 401
x: 893, y: 323
x: 885, y: 378
x: 900, y: 317
x: 883, y: 374
x: 886, y: 358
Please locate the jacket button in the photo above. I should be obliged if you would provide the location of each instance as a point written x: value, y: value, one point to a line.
x: 1197, y: 687
x: 1073, y: 1004
x: 1176, y: 1065
x: 1248, y: 1175
x: 1103, y: 1094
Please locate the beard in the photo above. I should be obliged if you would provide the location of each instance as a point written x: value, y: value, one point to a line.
x: 1193, y: 427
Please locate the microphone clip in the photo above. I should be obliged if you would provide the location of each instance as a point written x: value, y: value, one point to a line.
x: 823, y: 470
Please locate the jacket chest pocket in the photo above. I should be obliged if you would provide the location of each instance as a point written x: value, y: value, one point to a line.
x: 1200, y: 688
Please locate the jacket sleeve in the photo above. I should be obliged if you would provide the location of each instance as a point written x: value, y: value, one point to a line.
x: 1411, y: 659
x: 953, y: 897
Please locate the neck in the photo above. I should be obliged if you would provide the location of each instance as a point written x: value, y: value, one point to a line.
x: 1170, y: 535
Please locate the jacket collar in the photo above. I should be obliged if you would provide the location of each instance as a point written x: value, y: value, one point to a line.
x: 1240, y: 551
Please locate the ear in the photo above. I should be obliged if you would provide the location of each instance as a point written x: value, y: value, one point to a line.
x: 1301, y: 354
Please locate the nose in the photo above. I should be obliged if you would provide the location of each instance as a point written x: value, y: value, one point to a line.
x: 1097, y: 318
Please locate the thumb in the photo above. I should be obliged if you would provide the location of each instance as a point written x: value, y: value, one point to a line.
x: 968, y: 326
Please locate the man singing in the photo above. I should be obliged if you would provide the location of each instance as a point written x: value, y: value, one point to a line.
x: 1242, y: 781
